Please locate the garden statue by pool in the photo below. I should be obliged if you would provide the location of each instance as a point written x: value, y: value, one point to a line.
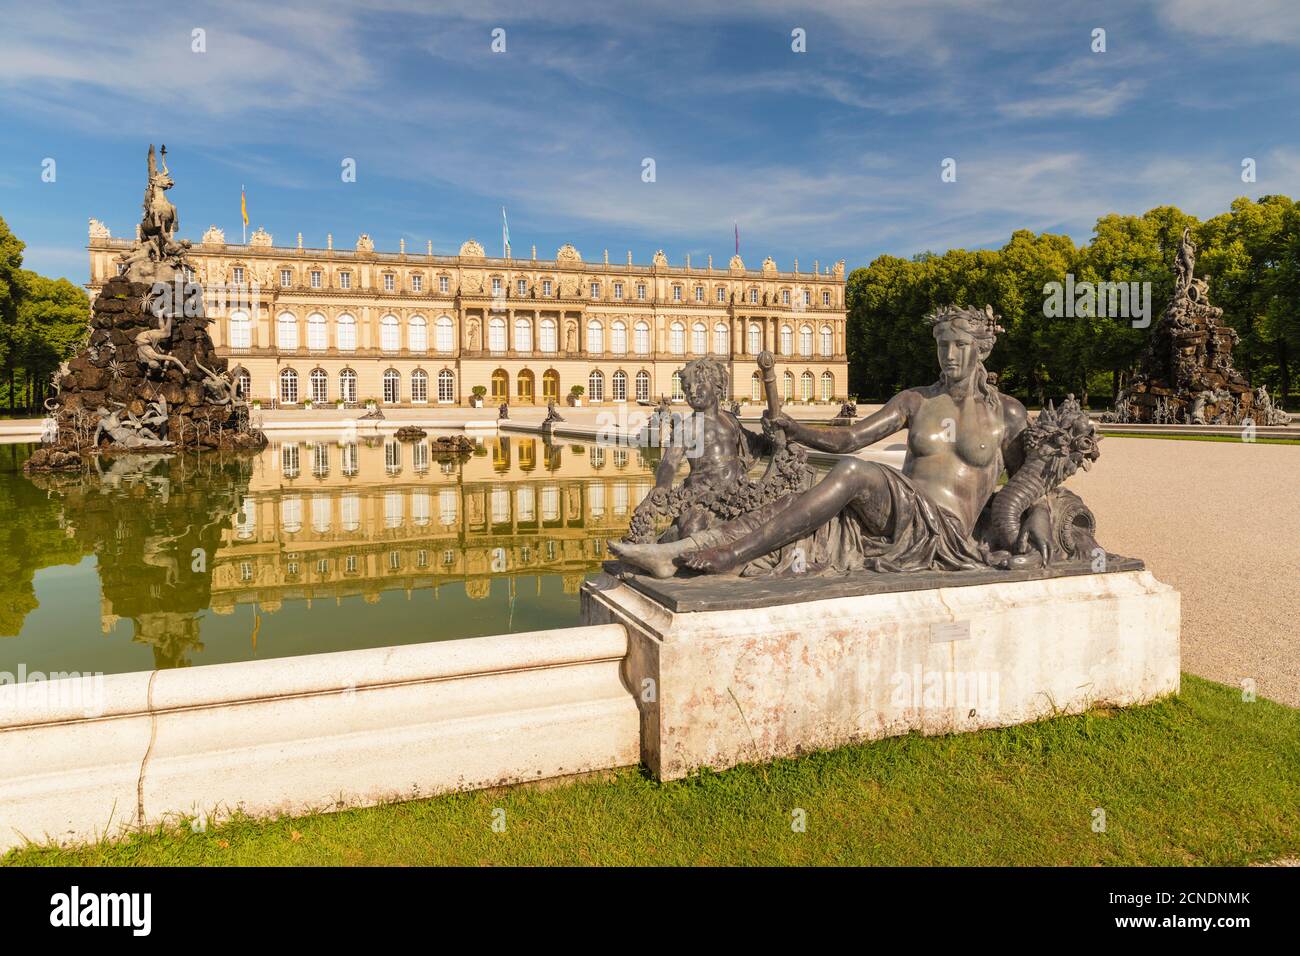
x: 941, y: 513
x: 149, y: 377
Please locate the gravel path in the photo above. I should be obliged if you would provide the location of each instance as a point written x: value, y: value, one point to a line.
x: 1220, y: 521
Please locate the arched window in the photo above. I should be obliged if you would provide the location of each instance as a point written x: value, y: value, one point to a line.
x: 618, y: 386
x: 806, y: 387
x: 446, y: 386
x: 317, y: 340
x: 678, y: 394
x: 699, y: 338
x: 244, y: 384
x: 755, y: 339
x: 346, y: 333
x: 618, y: 338
x: 595, y: 337
x: 787, y: 340
x: 289, y: 386
x: 828, y: 386
x: 392, y: 387
x: 523, y: 335
x: 443, y: 331
x: 319, y: 384
x: 805, y: 340
x: 643, y: 386
x: 641, y: 338
x: 596, y: 386
x: 546, y: 333
x: 788, y: 390
x: 756, y: 388
x: 524, y: 387
x: 420, y: 386
x: 417, y: 334
x: 828, y: 341
x: 390, y: 334
x: 550, y: 385
x: 721, y: 339
x: 291, y: 514
x: 677, y: 338
x: 497, y: 335
x: 241, y: 331
x: 286, y: 332
x: 500, y: 385
x: 348, y: 386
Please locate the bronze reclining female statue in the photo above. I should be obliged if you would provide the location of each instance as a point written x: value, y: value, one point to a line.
x: 962, y: 433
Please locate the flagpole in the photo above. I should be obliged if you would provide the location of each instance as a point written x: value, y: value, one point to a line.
x: 243, y: 202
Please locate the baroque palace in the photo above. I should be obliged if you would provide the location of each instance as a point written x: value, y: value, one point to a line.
x: 332, y: 325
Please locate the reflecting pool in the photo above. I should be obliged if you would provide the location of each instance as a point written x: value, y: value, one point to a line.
x: 313, y: 545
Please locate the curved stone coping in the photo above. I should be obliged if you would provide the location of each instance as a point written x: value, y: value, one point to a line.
x: 316, y: 733
x: 213, y: 685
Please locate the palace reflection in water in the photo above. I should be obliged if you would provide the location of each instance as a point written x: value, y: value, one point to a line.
x: 314, y: 545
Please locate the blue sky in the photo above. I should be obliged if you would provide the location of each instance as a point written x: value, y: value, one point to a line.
x: 833, y: 153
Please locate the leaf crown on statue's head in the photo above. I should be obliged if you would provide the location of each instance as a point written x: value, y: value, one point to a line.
x: 983, y: 323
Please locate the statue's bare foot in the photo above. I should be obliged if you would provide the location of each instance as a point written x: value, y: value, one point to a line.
x: 653, y: 558
x: 710, y: 561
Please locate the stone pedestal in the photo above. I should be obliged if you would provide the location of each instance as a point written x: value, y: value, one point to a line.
x: 720, y: 687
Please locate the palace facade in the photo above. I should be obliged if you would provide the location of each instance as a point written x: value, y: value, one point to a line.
x: 332, y: 325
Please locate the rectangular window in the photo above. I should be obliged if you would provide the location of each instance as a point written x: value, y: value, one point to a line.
x: 753, y: 297
x: 699, y: 293
x: 785, y: 296
x: 807, y: 297
x: 522, y: 286
x: 826, y: 298
x: 239, y: 276
x: 496, y: 286
x: 546, y: 287
x: 286, y: 278
x: 618, y: 290
x: 677, y: 293
x: 444, y: 283
x: 595, y: 290
x: 315, y: 278
x: 417, y: 282
x: 345, y: 280
x: 390, y: 282
x: 722, y: 294
x: 640, y: 292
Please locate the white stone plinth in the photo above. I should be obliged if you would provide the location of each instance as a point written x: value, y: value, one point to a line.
x: 717, y: 688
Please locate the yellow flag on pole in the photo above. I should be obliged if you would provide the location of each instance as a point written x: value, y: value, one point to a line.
x: 243, y: 204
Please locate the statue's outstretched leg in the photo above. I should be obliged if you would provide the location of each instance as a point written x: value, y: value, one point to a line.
x: 849, y: 479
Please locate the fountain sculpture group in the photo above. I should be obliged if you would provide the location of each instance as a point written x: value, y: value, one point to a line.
x: 149, y: 376
x: 1187, y: 375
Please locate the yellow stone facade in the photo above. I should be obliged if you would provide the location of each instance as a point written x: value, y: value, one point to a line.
x: 418, y: 329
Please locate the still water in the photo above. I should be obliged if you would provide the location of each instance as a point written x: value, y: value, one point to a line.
x: 311, y: 546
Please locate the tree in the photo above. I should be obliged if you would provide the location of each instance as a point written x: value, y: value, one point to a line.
x: 53, y: 324
x: 11, y: 263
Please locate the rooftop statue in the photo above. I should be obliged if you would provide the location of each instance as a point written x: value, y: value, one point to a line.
x: 939, y: 513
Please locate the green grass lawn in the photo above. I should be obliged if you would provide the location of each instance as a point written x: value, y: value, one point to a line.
x: 1203, y: 778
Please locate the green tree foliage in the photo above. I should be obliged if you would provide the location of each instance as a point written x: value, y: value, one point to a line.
x: 1251, y: 255
x: 42, y: 323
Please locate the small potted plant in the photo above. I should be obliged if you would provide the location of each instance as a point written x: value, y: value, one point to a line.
x: 306, y: 404
x: 257, y: 404
x: 476, y: 399
x: 575, y: 396
x: 371, y: 404
x: 339, y: 403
